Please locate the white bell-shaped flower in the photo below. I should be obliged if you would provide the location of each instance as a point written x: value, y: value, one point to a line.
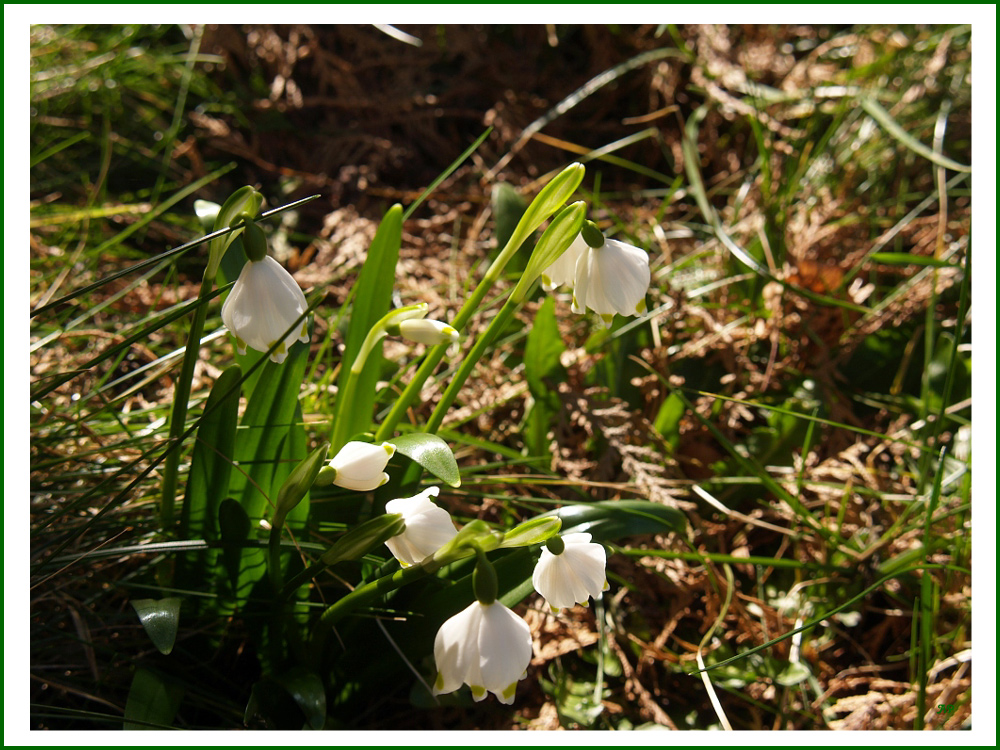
x: 430, y: 332
x: 262, y: 306
x: 611, y: 279
x: 485, y: 646
x: 428, y: 527
x: 574, y: 575
x: 361, y: 466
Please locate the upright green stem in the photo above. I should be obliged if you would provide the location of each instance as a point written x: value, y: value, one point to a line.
x: 469, y: 363
x: 546, y: 203
x: 178, y: 414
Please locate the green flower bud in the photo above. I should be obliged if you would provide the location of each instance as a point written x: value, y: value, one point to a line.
x: 359, y: 540
x: 535, y: 531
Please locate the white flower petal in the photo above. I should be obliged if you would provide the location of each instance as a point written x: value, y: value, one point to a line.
x: 263, y: 303
x: 428, y: 527
x: 610, y: 279
x: 575, y: 575
x: 564, y: 269
x: 485, y: 646
x: 504, y: 648
x: 456, y: 645
x: 361, y: 466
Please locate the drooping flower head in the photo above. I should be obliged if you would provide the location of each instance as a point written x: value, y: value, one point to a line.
x: 485, y: 646
x: 264, y: 302
x: 428, y: 527
x: 607, y: 276
x: 574, y: 574
x: 361, y: 466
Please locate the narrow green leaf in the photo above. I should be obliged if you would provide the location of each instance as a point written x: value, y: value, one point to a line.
x: 374, y: 295
x: 152, y: 702
x: 909, y: 259
x: 610, y: 520
x: 883, y: 118
x: 432, y: 453
x: 159, y: 618
x: 212, y: 458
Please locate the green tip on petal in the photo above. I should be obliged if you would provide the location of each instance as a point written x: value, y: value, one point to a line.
x: 389, y: 448
x: 478, y: 692
x: 607, y: 319
x: 555, y: 610
x: 509, y: 691
x: 640, y: 308
x: 546, y: 280
x: 439, y: 682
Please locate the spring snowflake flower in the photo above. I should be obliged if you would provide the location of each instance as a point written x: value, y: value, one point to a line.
x: 485, y: 646
x: 262, y: 306
x: 573, y: 575
x: 361, y: 466
x: 612, y: 278
x: 428, y: 527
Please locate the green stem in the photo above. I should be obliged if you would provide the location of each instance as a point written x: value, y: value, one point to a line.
x: 178, y: 414
x: 364, y: 594
x: 469, y: 363
x: 274, y: 553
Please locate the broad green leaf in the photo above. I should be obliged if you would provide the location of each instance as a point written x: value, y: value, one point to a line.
x: 234, y: 529
x: 269, y: 444
x: 508, y: 208
x: 307, y: 689
x: 432, y: 453
x: 374, y: 295
x: 212, y: 458
x: 152, y: 702
x: 542, y: 353
x: 793, y: 674
x: 266, y: 424
x: 159, y: 618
